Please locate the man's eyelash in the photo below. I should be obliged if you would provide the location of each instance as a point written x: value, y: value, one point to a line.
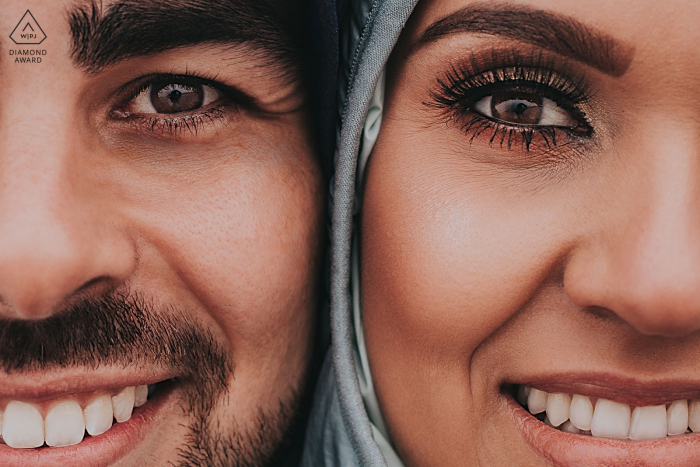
x: 178, y: 124
x: 468, y: 82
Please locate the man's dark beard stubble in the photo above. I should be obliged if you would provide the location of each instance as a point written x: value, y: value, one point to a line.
x: 124, y: 329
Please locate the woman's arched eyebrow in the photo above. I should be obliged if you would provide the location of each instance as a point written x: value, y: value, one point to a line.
x: 550, y: 31
x: 124, y: 29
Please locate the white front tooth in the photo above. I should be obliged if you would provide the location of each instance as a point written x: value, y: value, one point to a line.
x: 537, y: 401
x: 558, y: 408
x: 694, y: 415
x: 98, y: 415
x: 648, y: 422
x: 611, y: 419
x: 677, y: 417
x: 581, y: 412
x: 140, y: 395
x: 23, y: 426
x: 123, y: 404
x: 65, y: 425
x: 569, y: 427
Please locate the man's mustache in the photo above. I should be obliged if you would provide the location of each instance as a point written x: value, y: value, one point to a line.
x: 118, y: 329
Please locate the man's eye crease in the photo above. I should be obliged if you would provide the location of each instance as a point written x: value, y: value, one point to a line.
x: 162, y: 232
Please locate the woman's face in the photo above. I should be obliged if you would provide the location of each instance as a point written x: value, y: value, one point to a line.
x: 532, y: 220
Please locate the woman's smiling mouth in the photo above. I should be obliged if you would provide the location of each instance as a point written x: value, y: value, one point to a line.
x: 603, y: 418
x: 581, y: 424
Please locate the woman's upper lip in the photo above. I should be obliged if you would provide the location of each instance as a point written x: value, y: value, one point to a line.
x: 628, y: 390
x: 39, y: 385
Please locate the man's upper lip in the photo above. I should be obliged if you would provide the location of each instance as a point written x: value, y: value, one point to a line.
x: 625, y: 389
x: 38, y: 386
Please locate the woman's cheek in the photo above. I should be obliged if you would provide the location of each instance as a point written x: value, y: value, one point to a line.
x: 450, y: 265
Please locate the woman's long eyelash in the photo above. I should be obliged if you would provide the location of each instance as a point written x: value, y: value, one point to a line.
x: 463, y: 85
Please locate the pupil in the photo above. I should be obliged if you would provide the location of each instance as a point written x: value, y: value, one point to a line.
x: 519, y: 107
x: 175, y: 96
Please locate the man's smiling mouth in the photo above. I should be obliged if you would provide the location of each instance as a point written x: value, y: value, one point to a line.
x: 65, y: 421
x: 603, y: 418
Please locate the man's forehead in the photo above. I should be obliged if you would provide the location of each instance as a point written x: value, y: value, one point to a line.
x: 104, y: 33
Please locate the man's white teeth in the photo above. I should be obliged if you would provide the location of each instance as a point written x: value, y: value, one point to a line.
x: 65, y: 425
x: 99, y: 415
x: 609, y: 419
x: 123, y: 404
x: 140, y: 395
x: 23, y: 425
x: 66, y: 422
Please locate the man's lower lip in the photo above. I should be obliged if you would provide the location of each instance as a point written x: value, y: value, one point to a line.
x: 568, y: 450
x: 98, y: 451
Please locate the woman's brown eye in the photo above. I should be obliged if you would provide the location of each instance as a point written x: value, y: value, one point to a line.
x: 516, y: 108
x: 172, y: 98
x: 175, y: 97
x: 519, y: 108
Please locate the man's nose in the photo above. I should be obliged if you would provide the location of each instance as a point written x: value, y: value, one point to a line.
x: 642, y: 261
x: 57, y: 238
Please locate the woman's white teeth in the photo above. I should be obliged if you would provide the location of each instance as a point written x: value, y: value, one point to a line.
x: 649, y: 422
x: 677, y: 418
x: 609, y: 419
x: 581, y: 412
x: 66, y: 422
x: 558, y: 408
x: 537, y: 401
x: 694, y: 415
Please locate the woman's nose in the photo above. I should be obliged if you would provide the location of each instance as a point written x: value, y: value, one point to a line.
x: 641, y: 260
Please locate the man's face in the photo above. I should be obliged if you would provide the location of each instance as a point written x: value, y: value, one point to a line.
x: 160, y: 217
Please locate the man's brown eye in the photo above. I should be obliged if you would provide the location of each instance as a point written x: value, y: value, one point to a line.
x: 517, y: 108
x: 172, y: 97
x: 175, y: 97
x: 523, y: 108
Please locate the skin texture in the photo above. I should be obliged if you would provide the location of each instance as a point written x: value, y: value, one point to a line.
x: 222, y: 224
x: 484, y: 265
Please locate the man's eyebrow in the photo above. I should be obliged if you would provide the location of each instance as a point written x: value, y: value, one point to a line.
x: 133, y: 28
x: 550, y: 31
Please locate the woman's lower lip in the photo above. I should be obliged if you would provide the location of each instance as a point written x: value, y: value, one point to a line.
x: 568, y: 450
x: 97, y: 451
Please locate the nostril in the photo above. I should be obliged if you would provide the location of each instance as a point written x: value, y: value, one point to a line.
x: 602, y: 313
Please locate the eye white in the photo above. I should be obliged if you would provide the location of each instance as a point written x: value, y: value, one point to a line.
x: 142, y: 104
x: 552, y: 113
